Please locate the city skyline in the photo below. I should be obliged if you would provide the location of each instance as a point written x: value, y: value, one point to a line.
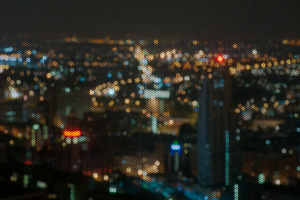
x: 150, y: 99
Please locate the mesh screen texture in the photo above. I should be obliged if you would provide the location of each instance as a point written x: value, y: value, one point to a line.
x: 147, y: 100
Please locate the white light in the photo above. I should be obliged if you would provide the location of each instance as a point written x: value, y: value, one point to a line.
x: 75, y: 140
x: 186, y: 78
x: 95, y: 175
x: 194, y: 103
x: 284, y: 151
x: 236, y: 191
x: 154, y: 124
x: 41, y: 184
x: 175, y: 147
x: 68, y: 140
x: 105, y: 177
x: 149, y: 94
x: 128, y: 170
x: 67, y: 90
x: 111, y: 92
x: 113, y: 190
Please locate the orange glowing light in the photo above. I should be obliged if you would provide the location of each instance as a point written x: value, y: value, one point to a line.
x: 72, y: 133
x: 220, y: 58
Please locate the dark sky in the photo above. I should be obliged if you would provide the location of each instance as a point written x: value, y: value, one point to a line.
x: 200, y: 18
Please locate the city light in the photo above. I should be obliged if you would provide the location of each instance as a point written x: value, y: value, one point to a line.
x: 220, y: 59
x: 153, y: 101
x: 113, y: 190
x: 149, y: 94
x: 72, y: 133
x: 175, y: 147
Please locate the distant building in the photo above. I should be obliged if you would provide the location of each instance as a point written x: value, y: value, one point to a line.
x: 214, y: 129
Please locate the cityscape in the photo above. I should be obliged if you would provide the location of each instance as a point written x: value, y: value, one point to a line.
x: 129, y: 116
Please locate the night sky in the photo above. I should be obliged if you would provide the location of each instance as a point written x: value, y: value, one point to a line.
x: 149, y: 18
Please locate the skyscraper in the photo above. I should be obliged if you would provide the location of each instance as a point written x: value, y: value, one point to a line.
x: 213, y: 130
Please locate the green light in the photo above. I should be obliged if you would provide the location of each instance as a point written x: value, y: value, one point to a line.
x: 261, y: 178
x: 227, y: 157
x: 72, y: 192
x: 175, y: 142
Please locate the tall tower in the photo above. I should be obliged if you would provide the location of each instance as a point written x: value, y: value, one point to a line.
x: 213, y: 130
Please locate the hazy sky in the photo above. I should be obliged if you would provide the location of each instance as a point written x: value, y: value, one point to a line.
x: 201, y: 18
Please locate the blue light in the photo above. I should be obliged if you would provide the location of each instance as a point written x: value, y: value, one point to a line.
x: 158, y: 86
x: 156, y: 80
x: 126, y: 62
x: 20, y: 59
x: 144, y: 61
x: 109, y: 75
x: 119, y: 74
x: 168, y: 84
x: 8, y: 49
x: 111, y: 92
x: 44, y: 57
x: 42, y: 61
x: 28, y: 60
x: 195, y: 109
x: 33, y: 51
x: 13, y: 59
x: 203, y: 59
x: 82, y: 79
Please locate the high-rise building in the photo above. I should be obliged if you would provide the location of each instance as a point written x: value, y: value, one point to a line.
x: 213, y: 130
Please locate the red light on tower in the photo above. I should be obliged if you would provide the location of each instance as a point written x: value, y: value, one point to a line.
x: 220, y: 59
x: 72, y: 133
